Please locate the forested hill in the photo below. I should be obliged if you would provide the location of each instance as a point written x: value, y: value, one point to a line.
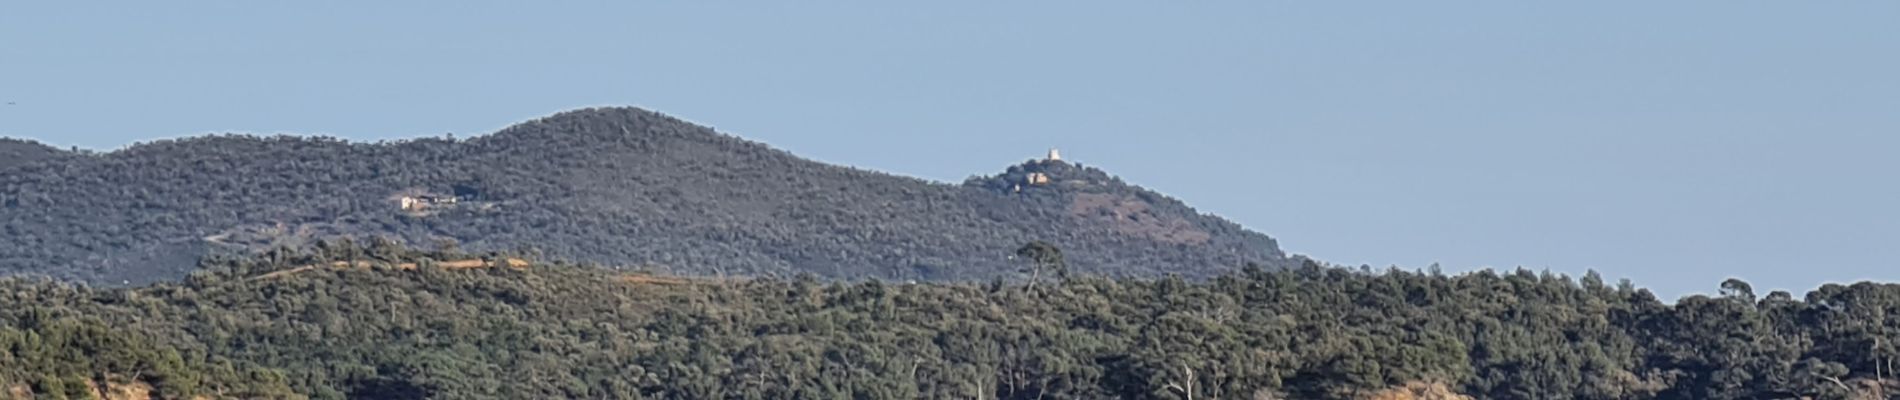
x: 615, y: 186
x: 382, y: 322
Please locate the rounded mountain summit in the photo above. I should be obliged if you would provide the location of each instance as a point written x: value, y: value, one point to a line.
x: 621, y: 187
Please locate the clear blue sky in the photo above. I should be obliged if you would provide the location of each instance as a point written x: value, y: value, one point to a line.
x: 1674, y: 143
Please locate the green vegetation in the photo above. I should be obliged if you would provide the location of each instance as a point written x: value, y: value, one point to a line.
x: 560, y: 331
x: 617, y: 186
x: 1095, y: 288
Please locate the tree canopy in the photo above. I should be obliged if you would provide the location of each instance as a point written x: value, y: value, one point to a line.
x: 382, y: 321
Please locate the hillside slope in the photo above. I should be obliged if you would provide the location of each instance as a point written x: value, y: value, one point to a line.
x: 616, y: 186
x: 14, y: 153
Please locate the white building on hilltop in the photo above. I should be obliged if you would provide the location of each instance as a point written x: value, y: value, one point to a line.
x: 1055, y: 155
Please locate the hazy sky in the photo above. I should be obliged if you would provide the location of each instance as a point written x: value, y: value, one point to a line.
x: 1674, y: 143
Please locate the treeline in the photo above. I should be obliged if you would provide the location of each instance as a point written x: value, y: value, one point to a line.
x: 560, y: 331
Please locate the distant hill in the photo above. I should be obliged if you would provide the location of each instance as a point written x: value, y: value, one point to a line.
x: 616, y: 186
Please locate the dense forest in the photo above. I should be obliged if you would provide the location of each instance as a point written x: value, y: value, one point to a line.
x: 380, y: 321
x: 617, y: 186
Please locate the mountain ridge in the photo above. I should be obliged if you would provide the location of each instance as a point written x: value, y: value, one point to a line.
x: 616, y: 186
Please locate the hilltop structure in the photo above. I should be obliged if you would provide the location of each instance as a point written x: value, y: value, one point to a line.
x: 1039, y: 178
x: 420, y: 200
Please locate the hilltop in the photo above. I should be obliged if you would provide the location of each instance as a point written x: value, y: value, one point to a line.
x: 621, y: 187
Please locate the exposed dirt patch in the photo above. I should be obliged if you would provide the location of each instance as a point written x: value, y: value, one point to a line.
x: 1130, y: 216
x: 1417, y: 391
x: 1869, y: 389
x: 456, y: 265
x: 276, y: 234
x: 115, y: 390
x: 284, y: 273
x: 643, y: 279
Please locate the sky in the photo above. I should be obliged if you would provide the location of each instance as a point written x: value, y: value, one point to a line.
x: 1675, y: 143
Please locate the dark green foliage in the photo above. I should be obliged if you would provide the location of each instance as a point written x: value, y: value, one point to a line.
x: 618, y: 186
x: 555, y: 331
x: 59, y: 352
